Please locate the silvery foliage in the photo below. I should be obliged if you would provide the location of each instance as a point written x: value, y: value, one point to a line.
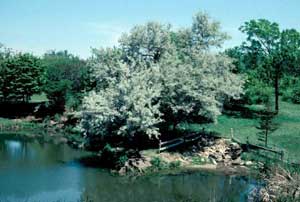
x: 152, y: 72
x: 205, y: 32
x: 105, y: 66
x: 127, y: 105
x: 198, y: 87
x: 196, y: 81
x: 148, y: 42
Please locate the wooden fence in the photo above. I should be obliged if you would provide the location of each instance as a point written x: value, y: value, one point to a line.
x: 177, y: 141
x: 252, y: 146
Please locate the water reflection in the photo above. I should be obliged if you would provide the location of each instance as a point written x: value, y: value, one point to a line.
x: 16, y: 150
x: 192, y: 187
x: 31, y: 171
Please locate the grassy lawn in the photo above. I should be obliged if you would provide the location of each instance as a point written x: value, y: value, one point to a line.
x: 286, y: 137
x: 38, y: 98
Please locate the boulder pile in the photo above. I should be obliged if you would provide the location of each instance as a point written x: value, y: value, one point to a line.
x: 222, y: 151
x: 209, y: 149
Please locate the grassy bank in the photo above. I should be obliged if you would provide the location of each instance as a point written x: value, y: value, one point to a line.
x: 21, y: 126
x: 287, y: 137
x: 28, y: 129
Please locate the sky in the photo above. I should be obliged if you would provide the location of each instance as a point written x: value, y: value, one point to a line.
x: 37, y: 26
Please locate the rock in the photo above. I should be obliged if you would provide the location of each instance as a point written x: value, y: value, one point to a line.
x: 237, y: 162
x: 63, y: 119
x: 260, y: 165
x: 220, y: 150
x: 213, y: 161
x: 297, y: 193
x: 264, y: 195
x: 234, y: 145
x: 248, y: 163
x: 52, y: 123
x: 122, y: 171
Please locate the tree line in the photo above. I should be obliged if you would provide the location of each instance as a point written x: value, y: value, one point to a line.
x: 58, y: 74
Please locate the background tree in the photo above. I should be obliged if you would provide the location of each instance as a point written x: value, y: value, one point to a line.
x: 21, y: 76
x: 4, y: 54
x: 267, y: 53
x: 66, y: 79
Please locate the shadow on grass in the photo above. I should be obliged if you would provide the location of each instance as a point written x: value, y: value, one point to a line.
x: 19, y: 110
x: 241, y: 111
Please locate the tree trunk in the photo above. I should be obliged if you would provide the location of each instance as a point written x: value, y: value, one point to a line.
x: 276, y: 89
x: 266, y: 138
x: 174, y: 126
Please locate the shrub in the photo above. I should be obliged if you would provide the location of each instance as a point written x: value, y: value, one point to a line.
x: 197, y: 160
x: 122, y: 160
x: 158, y: 164
x: 257, y: 92
x: 287, y: 95
x: 292, y: 93
x: 296, y: 95
x: 174, y: 164
x: 57, y: 94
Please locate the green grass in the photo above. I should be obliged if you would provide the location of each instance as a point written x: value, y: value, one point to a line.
x: 286, y: 137
x: 28, y: 130
x: 38, y: 98
x: 25, y: 129
x: 22, y: 127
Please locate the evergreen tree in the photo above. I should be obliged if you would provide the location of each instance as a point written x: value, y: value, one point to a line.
x: 266, y: 125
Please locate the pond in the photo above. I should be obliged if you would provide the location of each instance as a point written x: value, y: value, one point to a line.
x: 34, y: 171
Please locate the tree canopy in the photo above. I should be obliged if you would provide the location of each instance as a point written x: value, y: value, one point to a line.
x: 21, y: 76
x: 267, y: 54
x: 158, y: 78
x: 66, y: 79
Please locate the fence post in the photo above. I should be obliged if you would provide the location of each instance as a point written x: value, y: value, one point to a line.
x: 159, y: 146
x: 247, y: 142
x: 282, y: 154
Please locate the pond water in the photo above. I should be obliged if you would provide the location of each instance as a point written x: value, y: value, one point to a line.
x: 34, y: 171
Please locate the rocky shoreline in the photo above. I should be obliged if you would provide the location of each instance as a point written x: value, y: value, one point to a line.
x: 208, y: 153
x: 280, y: 185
